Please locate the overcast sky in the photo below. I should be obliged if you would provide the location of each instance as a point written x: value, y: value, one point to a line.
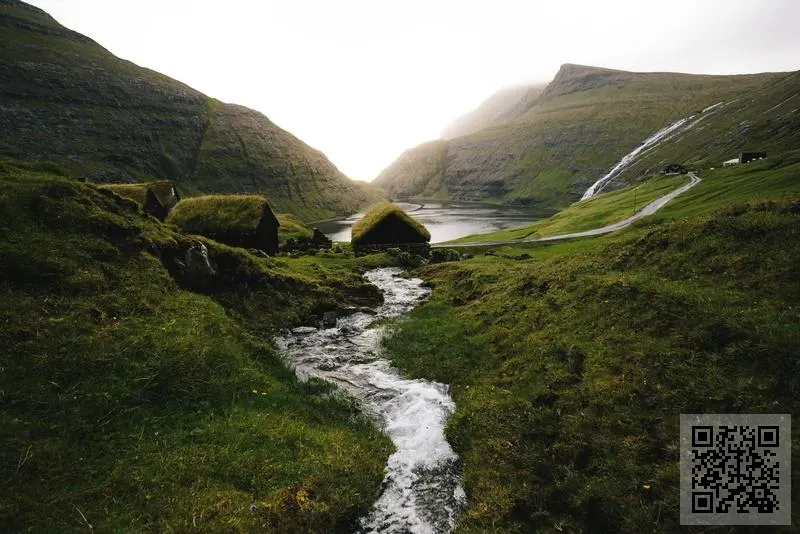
x: 363, y: 80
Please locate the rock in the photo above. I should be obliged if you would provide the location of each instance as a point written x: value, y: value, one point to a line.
x: 329, y: 319
x: 197, y: 263
x: 257, y: 252
x: 303, y: 330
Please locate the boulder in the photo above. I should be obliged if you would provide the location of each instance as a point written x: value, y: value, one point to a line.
x: 329, y: 319
x: 197, y: 263
x: 304, y: 330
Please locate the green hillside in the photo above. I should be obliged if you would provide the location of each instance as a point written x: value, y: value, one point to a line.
x: 135, y: 397
x: 570, y: 362
x: 68, y: 101
x: 585, y: 120
x: 765, y: 120
x: 774, y: 177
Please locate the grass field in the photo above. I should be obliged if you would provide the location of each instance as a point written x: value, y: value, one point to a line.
x: 596, y: 212
x: 570, y: 362
x: 136, y: 400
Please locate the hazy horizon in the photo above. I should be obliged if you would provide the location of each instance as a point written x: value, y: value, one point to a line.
x: 363, y: 82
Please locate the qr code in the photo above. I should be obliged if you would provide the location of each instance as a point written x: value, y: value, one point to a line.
x: 735, y: 469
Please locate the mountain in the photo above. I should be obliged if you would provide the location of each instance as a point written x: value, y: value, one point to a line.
x: 68, y: 101
x: 506, y: 104
x: 553, y: 147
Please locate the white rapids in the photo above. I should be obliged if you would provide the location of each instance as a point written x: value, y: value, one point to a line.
x: 421, y: 491
x: 661, y: 135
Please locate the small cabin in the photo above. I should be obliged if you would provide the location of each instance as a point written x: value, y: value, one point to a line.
x: 674, y: 168
x: 154, y: 198
x: 245, y: 221
x: 386, y: 225
x: 747, y: 157
x: 730, y: 162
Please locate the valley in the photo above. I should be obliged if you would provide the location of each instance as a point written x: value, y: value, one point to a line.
x: 506, y: 348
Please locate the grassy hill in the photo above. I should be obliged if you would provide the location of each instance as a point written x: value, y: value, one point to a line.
x: 775, y: 177
x: 570, y: 362
x: 135, y: 397
x: 586, y: 119
x: 69, y: 102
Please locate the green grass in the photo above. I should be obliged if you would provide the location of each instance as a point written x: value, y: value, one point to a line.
x: 135, y: 399
x: 777, y: 177
x: 571, y: 361
x: 596, y: 212
x: 292, y: 227
x: 135, y: 192
x: 570, y: 367
x: 212, y: 214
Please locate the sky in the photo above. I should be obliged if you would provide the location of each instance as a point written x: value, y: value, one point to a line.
x: 364, y: 80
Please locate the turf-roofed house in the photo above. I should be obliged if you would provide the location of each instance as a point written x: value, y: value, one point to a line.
x: 155, y: 198
x: 386, y: 225
x: 238, y: 220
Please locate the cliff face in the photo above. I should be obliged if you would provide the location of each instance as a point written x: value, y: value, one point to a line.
x: 67, y: 100
x: 557, y: 144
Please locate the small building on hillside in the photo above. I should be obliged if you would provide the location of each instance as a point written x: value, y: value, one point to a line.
x: 386, y: 225
x: 747, y: 157
x: 674, y: 168
x: 154, y: 198
x: 730, y: 162
x: 244, y: 221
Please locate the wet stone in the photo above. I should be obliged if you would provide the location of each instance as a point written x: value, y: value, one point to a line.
x: 303, y: 330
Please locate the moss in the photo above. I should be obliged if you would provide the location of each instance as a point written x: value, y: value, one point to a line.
x: 211, y: 214
x: 292, y: 227
x: 377, y: 214
x: 135, y: 192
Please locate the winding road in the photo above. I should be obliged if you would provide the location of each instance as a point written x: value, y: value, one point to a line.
x: 650, y: 209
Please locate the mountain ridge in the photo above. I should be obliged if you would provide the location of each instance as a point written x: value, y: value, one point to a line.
x: 69, y: 101
x: 583, y: 122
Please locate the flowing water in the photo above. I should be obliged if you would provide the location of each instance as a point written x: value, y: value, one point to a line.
x: 668, y: 132
x: 421, y: 491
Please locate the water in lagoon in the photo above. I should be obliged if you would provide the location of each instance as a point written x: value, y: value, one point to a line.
x: 421, y: 491
x: 449, y: 220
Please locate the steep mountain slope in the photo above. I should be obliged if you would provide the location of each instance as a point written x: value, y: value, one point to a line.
x: 67, y: 100
x: 766, y: 120
x: 584, y: 121
x: 504, y: 105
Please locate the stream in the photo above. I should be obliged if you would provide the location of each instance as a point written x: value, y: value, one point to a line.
x: 421, y: 490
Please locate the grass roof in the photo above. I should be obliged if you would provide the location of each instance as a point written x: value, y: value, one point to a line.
x: 292, y: 226
x: 135, y: 192
x: 163, y: 190
x: 379, y: 212
x: 220, y: 213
